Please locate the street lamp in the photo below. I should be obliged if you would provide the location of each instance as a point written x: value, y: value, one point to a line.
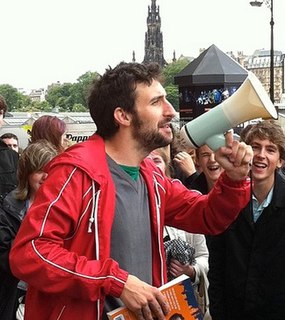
x: 269, y: 4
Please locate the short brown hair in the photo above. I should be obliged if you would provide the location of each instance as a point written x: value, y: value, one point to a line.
x: 9, y: 135
x: 270, y: 130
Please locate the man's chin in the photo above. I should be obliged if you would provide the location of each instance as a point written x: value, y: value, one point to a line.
x: 166, y: 142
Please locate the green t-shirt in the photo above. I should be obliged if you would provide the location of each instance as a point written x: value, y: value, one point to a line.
x: 133, y: 172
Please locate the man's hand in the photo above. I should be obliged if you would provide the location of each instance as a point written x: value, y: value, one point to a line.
x: 185, y: 162
x: 145, y: 301
x: 235, y: 158
x: 176, y: 269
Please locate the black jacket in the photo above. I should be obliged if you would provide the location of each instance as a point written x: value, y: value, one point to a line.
x: 247, y: 264
x: 11, y: 213
x: 8, y: 169
x: 198, y: 182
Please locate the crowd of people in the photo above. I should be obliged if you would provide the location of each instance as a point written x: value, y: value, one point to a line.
x: 92, y: 227
x: 20, y: 178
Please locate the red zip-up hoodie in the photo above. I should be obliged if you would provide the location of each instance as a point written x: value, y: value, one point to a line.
x: 62, y: 249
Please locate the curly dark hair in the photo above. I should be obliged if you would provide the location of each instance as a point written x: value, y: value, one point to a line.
x: 117, y: 88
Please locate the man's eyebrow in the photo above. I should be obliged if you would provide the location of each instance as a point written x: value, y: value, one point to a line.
x: 156, y: 98
x: 271, y: 145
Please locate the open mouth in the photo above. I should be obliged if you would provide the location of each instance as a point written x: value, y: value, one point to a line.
x: 214, y: 168
x: 166, y: 125
x: 260, y: 165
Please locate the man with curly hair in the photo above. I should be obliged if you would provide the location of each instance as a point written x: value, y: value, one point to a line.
x: 93, y: 238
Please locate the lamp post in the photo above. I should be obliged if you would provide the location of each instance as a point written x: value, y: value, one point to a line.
x: 269, y: 4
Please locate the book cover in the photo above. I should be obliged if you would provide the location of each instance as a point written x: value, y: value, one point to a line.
x: 180, y: 296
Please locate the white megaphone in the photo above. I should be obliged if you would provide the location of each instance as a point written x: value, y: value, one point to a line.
x: 249, y: 102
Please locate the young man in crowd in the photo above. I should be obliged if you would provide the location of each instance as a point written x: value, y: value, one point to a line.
x: 93, y: 238
x: 11, y: 140
x: 247, y: 261
x: 8, y: 160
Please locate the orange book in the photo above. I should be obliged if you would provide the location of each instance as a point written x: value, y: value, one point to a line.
x: 180, y: 296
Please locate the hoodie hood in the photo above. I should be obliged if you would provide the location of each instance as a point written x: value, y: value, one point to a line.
x: 89, y: 156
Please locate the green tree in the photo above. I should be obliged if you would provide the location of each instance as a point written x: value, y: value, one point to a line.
x: 172, y: 69
x: 53, y: 94
x: 68, y: 96
x: 59, y: 96
x: 83, y: 85
x: 169, y: 72
x: 13, y: 98
x: 37, y: 106
x: 172, y: 96
x: 78, y: 107
x: 45, y: 106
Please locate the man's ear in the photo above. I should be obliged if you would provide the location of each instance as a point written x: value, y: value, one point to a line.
x: 281, y: 163
x: 122, y: 117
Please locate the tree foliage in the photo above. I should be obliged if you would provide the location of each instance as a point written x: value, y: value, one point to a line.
x: 14, y: 99
x: 169, y: 72
x: 71, y: 97
x: 172, y: 95
x: 68, y: 96
x: 172, y: 69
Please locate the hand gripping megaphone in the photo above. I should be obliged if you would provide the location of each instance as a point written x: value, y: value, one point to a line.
x: 249, y: 102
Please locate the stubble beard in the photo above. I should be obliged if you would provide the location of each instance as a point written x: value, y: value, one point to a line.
x: 148, y: 139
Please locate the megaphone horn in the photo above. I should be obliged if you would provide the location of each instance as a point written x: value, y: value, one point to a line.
x: 249, y: 102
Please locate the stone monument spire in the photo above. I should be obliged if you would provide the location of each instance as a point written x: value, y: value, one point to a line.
x: 153, y: 37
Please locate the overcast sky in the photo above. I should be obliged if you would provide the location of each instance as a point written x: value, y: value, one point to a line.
x: 44, y: 41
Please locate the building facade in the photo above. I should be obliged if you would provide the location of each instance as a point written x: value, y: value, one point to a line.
x: 37, y: 95
x: 259, y: 64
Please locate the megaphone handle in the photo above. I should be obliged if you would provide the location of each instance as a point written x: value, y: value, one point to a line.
x: 216, y: 141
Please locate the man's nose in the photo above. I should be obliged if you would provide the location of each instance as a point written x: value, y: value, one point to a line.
x: 169, y: 110
x: 261, y: 152
x: 212, y: 157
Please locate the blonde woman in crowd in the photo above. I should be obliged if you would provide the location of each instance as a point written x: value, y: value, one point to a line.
x: 31, y: 176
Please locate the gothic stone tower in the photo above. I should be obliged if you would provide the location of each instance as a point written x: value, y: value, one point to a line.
x: 153, y: 37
